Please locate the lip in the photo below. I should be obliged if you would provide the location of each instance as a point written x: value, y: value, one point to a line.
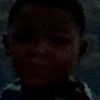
x: 42, y: 70
x: 39, y: 65
x: 44, y: 62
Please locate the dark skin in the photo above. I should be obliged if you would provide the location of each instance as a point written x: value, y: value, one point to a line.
x: 44, y: 44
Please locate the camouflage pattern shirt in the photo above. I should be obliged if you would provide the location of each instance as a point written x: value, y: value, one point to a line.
x: 76, y: 90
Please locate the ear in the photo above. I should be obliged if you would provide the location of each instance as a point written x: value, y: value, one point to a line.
x: 83, y: 47
x: 6, y: 44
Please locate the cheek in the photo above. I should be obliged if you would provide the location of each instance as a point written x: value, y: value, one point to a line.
x: 64, y: 53
x: 17, y: 51
x: 63, y: 57
x: 67, y: 56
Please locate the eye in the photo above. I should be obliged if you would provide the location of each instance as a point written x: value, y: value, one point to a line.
x: 60, y: 40
x: 24, y: 37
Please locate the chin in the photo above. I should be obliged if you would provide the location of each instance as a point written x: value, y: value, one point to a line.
x: 35, y: 82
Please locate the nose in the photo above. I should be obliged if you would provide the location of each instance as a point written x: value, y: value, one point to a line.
x: 41, y: 47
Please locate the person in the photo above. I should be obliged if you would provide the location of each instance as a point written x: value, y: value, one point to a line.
x: 45, y: 41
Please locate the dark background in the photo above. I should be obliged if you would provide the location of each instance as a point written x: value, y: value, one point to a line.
x: 89, y: 70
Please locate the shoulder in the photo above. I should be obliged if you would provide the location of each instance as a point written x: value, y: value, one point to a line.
x: 81, y: 90
x: 11, y: 91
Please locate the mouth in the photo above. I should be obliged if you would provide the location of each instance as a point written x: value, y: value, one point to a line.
x: 42, y: 62
x: 40, y: 65
x: 37, y: 68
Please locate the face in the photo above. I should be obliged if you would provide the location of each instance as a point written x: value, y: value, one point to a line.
x: 43, y: 43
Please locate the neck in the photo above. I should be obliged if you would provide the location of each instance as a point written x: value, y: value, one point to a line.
x: 37, y: 93
x: 45, y: 84
x: 45, y: 92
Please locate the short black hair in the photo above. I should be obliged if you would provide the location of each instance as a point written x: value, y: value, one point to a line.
x: 73, y: 7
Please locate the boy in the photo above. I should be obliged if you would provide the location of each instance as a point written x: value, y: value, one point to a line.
x: 45, y: 41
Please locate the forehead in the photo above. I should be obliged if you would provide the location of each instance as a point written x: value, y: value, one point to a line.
x: 43, y: 13
x: 44, y: 18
